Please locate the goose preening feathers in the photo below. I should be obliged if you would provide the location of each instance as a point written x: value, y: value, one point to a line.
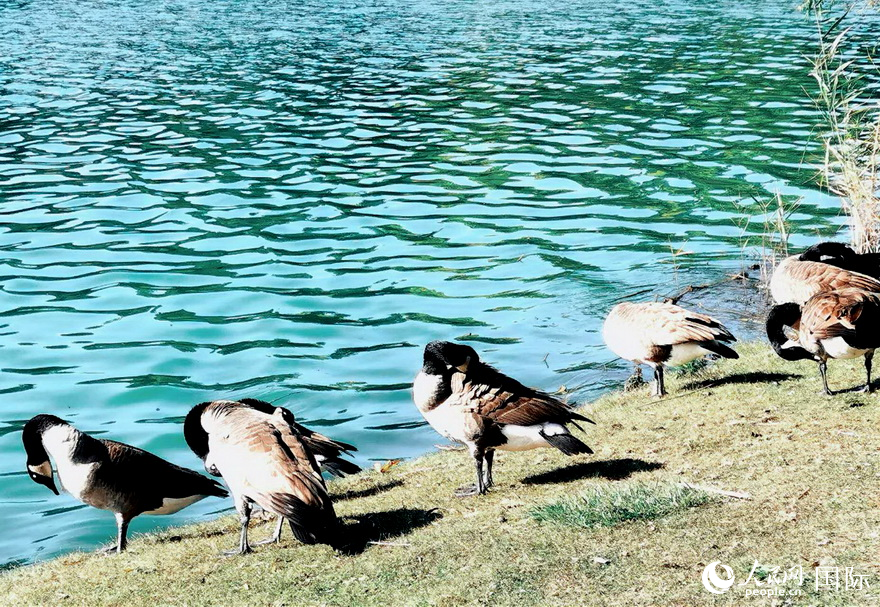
x: 664, y: 334
x: 835, y: 324
x: 109, y: 475
x: 327, y: 451
x: 470, y: 402
x: 263, y: 461
x: 798, y: 277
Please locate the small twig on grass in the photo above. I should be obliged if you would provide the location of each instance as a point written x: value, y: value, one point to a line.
x: 401, y: 544
x: 740, y: 495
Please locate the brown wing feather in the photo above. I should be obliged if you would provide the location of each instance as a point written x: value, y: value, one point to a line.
x: 835, y: 314
x: 493, y: 395
x: 271, y: 468
x: 665, y: 324
x: 797, y: 281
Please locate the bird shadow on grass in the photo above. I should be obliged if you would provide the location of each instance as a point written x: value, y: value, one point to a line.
x: 753, y: 377
x: 352, y: 494
x: 362, y: 530
x: 612, y: 469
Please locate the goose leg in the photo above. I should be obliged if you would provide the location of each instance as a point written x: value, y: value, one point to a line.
x: 122, y: 522
x: 479, y: 488
x: 823, y: 371
x: 244, y: 512
x: 659, y: 386
x: 487, y: 479
x: 868, y: 358
x: 478, y: 460
x: 275, y: 537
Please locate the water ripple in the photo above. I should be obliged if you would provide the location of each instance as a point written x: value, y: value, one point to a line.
x: 207, y: 199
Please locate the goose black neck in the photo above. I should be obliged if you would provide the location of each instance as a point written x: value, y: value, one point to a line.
x: 785, y: 315
x: 32, y: 437
x: 194, y: 433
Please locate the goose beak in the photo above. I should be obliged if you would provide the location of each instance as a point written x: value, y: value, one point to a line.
x: 45, y: 480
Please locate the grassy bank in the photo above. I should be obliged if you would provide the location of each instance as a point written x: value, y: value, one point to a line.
x: 614, y: 528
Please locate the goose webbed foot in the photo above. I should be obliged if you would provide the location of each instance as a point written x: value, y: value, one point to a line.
x: 275, y: 537
x: 866, y: 389
x: 272, y: 539
x: 468, y: 491
x: 114, y: 549
x: 237, y: 552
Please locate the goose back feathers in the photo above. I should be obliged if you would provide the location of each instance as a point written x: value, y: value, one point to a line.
x: 850, y: 317
x: 796, y: 280
x: 663, y: 333
x: 327, y: 451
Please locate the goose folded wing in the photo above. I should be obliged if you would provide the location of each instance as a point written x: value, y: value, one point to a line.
x: 825, y: 277
x: 495, y: 396
x: 677, y: 326
x: 140, y: 472
x: 256, y: 460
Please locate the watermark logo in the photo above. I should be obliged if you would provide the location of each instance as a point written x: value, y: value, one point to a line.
x: 769, y: 580
x: 715, y: 583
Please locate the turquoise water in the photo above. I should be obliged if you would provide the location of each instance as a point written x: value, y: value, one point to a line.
x: 287, y: 200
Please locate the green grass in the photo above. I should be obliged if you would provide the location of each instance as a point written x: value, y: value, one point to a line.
x: 760, y: 425
x: 609, y: 506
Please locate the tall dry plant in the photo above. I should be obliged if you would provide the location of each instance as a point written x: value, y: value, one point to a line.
x: 770, y: 245
x: 774, y: 239
x: 851, y: 111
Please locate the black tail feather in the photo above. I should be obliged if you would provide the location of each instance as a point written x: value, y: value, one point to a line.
x: 567, y: 443
x: 340, y: 467
x: 720, y: 349
x: 581, y: 418
x: 217, y: 490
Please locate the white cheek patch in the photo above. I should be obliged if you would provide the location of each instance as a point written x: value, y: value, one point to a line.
x: 44, y: 469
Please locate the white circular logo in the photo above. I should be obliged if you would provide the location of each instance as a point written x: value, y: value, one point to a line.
x: 715, y: 584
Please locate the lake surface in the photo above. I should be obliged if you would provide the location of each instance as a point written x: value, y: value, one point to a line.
x: 287, y: 200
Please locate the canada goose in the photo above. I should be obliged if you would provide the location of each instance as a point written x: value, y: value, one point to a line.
x: 328, y: 452
x: 836, y: 324
x: 470, y: 402
x: 112, y: 476
x: 797, y: 278
x: 842, y: 256
x: 663, y: 334
x: 262, y: 462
